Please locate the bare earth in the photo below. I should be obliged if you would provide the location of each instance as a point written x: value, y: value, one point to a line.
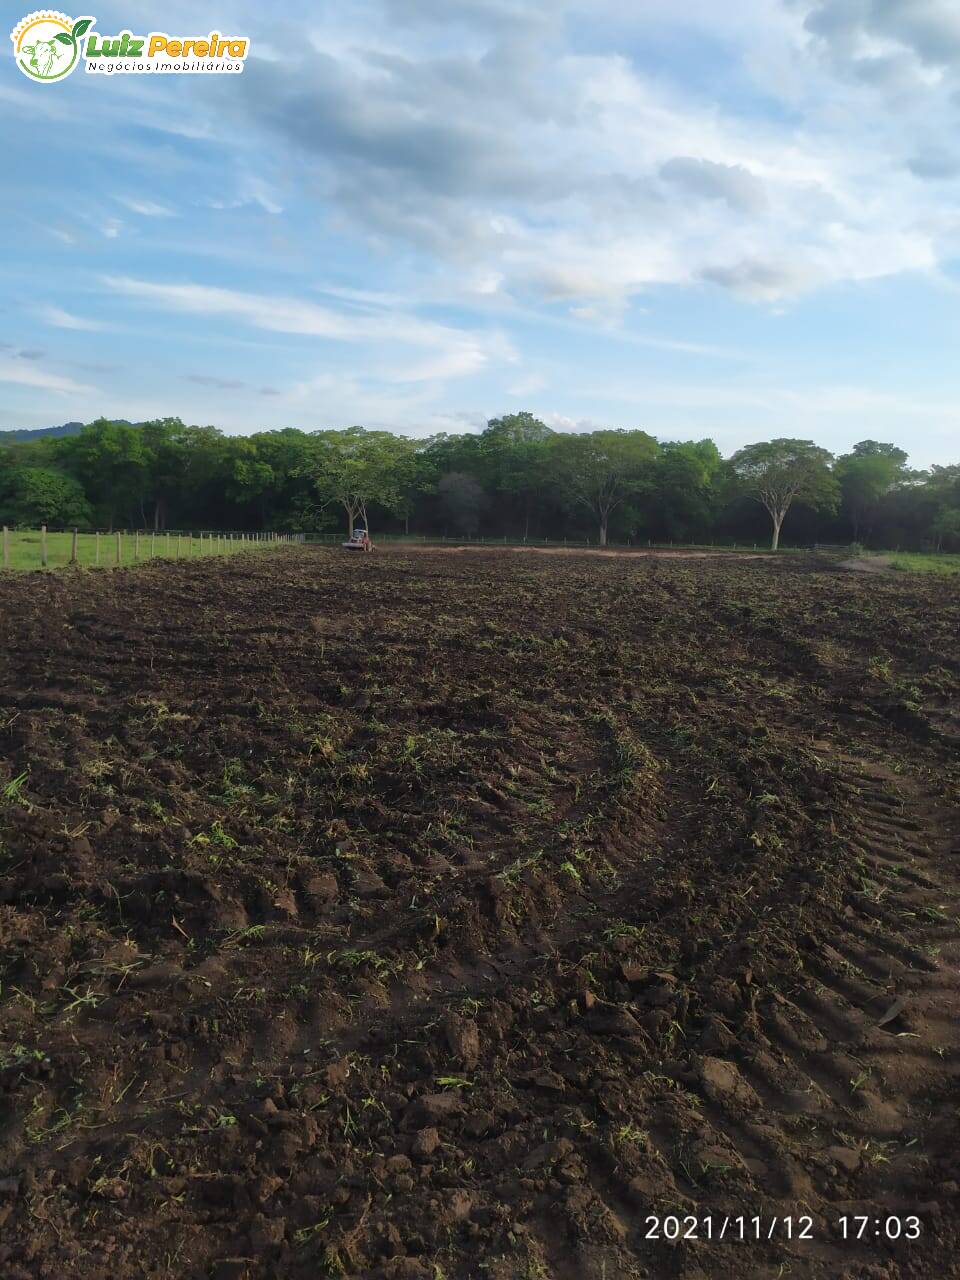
x: 433, y: 917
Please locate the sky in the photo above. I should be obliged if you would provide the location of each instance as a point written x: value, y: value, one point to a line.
x: 735, y: 220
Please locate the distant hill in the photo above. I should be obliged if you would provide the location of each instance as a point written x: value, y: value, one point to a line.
x: 49, y: 433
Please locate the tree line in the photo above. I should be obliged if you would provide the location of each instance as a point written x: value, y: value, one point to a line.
x: 517, y: 479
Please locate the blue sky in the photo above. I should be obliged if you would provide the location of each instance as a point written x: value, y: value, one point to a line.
x: 739, y: 221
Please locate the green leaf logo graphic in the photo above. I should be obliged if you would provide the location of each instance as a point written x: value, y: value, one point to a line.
x: 81, y: 27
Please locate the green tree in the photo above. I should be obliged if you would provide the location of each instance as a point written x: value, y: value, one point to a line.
x: 943, y: 492
x: 110, y: 460
x: 357, y: 467
x: 685, y: 487
x: 777, y: 473
x: 273, y: 475
x: 866, y: 475
x: 601, y: 470
x: 514, y: 451
x: 40, y: 495
x: 165, y: 466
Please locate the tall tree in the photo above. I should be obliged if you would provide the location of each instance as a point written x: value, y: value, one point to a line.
x: 357, y: 467
x: 600, y: 470
x: 866, y: 474
x: 514, y: 450
x: 685, y: 488
x: 165, y: 445
x: 777, y: 473
x: 110, y: 460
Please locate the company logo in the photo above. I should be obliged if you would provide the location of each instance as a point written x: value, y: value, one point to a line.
x: 48, y: 46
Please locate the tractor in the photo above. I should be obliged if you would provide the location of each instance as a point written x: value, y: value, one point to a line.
x: 359, y: 540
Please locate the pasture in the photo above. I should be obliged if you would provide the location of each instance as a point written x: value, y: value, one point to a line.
x: 33, y: 549
x: 435, y: 917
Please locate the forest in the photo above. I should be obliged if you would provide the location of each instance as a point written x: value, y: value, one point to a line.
x: 516, y: 479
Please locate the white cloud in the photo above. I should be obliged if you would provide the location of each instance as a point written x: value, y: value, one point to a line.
x: 251, y: 190
x: 454, y: 352
x: 32, y: 375
x: 146, y: 208
x: 66, y: 320
x: 587, y: 180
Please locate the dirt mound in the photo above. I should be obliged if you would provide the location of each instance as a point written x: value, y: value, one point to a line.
x: 868, y: 564
x: 417, y: 917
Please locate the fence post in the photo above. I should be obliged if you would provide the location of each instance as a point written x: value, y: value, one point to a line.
x: 136, y: 545
x: 43, y: 546
x: 73, y: 548
x: 96, y: 548
x: 153, y: 545
x: 119, y: 547
x: 179, y: 543
x: 6, y: 547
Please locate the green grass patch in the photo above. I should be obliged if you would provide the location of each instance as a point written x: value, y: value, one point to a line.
x: 924, y: 562
x: 25, y: 548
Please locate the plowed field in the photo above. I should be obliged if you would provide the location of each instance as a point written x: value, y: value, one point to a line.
x: 436, y: 917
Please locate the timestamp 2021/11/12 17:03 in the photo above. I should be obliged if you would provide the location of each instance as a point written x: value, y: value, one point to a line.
x: 737, y: 1227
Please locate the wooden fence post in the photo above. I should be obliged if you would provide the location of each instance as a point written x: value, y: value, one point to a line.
x: 96, y: 548
x: 153, y: 545
x: 136, y: 545
x: 119, y: 547
x: 179, y: 541
x: 73, y: 548
x: 6, y: 547
x: 43, y: 546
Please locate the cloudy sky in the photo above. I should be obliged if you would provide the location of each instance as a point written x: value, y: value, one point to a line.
x: 419, y: 214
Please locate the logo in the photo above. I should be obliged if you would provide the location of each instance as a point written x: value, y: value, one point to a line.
x: 47, y: 45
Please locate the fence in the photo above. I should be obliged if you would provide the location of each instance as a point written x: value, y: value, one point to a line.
x: 636, y: 544
x: 48, y: 549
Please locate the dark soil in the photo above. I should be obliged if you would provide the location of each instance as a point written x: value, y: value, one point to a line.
x: 449, y: 918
